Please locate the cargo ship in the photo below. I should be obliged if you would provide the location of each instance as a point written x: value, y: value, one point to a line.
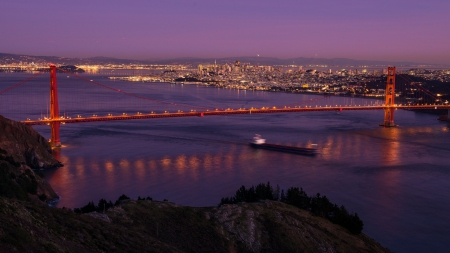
x: 258, y: 142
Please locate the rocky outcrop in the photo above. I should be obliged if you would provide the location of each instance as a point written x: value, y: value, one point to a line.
x: 25, y: 145
x: 272, y: 226
x: 21, y: 150
x: 18, y: 181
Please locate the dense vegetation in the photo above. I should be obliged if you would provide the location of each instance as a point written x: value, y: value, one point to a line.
x: 317, y: 205
x: 104, y: 205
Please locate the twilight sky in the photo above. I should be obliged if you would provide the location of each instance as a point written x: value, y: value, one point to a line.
x: 391, y: 30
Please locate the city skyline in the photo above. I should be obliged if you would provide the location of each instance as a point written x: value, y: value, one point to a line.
x: 380, y: 31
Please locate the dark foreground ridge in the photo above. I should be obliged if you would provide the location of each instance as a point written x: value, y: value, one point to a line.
x: 154, y: 226
x: 28, y: 224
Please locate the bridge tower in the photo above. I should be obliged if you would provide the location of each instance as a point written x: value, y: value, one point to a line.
x: 54, y: 108
x: 390, y: 96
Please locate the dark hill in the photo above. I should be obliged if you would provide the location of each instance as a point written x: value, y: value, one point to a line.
x: 151, y: 226
x: 261, y: 60
x: 25, y: 145
x: 21, y: 150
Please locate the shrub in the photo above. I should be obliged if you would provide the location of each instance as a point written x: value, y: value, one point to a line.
x: 253, y: 194
x: 317, y: 205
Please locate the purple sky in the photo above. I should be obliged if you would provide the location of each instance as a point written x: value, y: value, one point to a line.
x: 393, y: 30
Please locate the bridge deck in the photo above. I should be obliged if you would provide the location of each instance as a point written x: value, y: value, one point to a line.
x: 228, y: 112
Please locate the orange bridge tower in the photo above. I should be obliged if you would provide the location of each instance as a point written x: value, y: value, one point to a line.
x: 390, y: 96
x: 54, y: 108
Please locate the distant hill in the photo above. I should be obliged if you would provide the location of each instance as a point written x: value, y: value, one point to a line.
x: 100, y: 60
x: 291, y: 61
x: 14, y: 58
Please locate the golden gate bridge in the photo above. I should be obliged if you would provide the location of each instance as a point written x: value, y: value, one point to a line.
x: 54, y: 118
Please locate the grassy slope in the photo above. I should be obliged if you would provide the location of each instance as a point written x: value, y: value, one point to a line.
x: 146, y: 226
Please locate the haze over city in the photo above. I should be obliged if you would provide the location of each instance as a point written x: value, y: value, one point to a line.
x: 365, y: 30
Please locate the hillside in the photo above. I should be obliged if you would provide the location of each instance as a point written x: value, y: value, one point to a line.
x: 21, y: 150
x: 151, y: 226
x: 25, y: 145
x: 14, y: 58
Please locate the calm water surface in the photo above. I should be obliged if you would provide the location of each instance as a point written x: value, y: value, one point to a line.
x: 395, y: 179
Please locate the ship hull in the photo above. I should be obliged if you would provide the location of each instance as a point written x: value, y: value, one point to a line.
x: 286, y: 149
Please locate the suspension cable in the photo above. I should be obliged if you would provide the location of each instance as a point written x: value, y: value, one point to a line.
x: 20, y: 83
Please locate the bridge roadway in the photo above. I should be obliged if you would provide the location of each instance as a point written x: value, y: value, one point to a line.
x: 227, y: 112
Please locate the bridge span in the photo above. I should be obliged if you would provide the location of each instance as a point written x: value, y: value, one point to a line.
x: 217, y: 112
